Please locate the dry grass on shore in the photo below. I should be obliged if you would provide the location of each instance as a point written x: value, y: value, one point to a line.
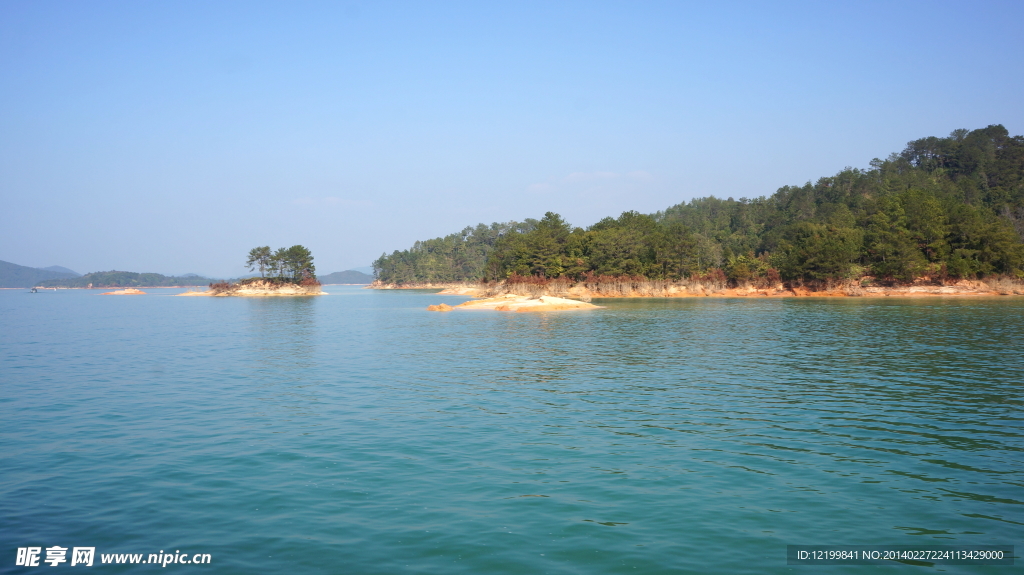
x: 716, y: 285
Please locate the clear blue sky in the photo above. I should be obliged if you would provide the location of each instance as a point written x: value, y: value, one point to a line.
x: 175, y: 136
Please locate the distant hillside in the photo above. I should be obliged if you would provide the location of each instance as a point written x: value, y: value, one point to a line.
x: 346, y: 277
x: 61, y: 270
x: 126, y: 279
x: 15, y: 276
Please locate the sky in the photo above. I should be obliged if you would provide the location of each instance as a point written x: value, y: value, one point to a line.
x: 173, y: 137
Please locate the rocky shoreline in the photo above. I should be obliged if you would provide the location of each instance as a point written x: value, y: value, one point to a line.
x: 665, y: 289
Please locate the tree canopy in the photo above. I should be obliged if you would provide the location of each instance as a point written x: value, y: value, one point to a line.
x: 456, y: 257
x: 292, y: 264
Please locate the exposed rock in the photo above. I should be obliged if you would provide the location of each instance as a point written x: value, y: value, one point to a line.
x: 518, y: 303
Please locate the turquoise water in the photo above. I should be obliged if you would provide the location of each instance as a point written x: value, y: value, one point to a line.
x: 359, y: 433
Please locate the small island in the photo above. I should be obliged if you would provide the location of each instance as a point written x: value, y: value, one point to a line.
x: 291, y: 273
x: 518, y: 303
x: 125, y: 291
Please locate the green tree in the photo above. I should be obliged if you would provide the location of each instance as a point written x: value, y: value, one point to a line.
x: 539, y: 248
x: 982, y: 245
x: 677, y: 251
x: 892, y: 249
x: 820, y: 252
x: 544, y: 246
x: 259, y: 258
x: 926, y: 223
x: 300, y: 263
x: 279, y: 262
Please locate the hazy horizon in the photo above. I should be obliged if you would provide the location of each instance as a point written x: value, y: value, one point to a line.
x: 362, y: 269
x: 175, y: 137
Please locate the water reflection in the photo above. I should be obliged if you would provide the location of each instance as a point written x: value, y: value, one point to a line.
x: 283, y: 328
x: 283, y: 344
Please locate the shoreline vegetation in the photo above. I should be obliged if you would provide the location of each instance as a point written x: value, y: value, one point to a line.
x: 639, y: 287
x: 944, y: 217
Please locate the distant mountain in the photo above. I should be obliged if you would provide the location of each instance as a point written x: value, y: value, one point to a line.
x: 125, y: 279
x: 346, y: 277
x: 15, y: 276
x: 61, y: 270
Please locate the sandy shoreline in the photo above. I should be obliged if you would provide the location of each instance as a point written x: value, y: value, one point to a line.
x: 126, y: 291
x: 517, y: 303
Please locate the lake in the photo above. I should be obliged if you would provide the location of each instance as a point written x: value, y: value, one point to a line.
x: 358, y: 433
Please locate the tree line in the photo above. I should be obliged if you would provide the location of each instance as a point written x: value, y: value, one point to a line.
x: 457, y: 257
x: 948, y: 207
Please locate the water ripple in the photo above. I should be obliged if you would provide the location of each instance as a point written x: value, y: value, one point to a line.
x: 359, y: 433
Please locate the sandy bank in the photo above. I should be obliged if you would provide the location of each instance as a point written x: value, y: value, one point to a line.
x: 125, y: 291
x: 516, y: 303
x: 968, y: 289
x: 797, y: 291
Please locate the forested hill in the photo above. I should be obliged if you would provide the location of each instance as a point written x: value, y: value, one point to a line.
x: 346, y: 277
x: 16, y: 276
x: 126, y: 279
x: 943, y: 207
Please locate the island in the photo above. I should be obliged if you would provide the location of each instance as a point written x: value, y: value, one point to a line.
x: 285, y: 272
